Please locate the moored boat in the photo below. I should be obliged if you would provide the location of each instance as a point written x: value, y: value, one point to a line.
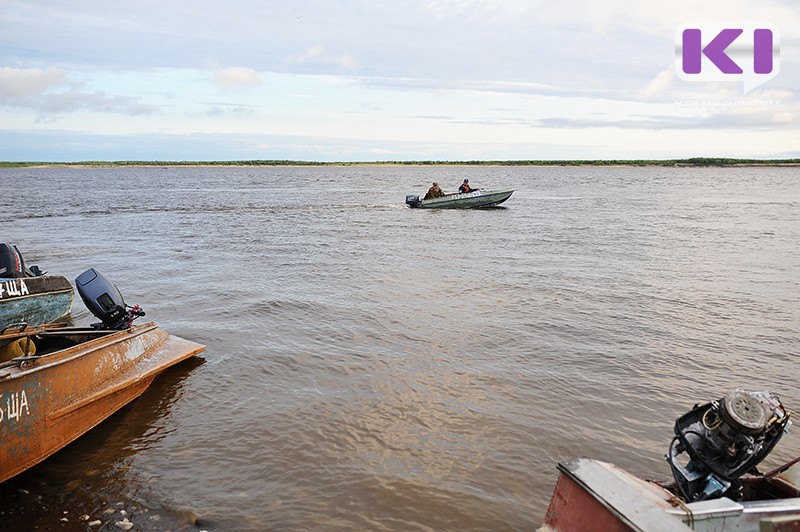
x: 34, y: 300
x: 467, y: 200
x: 28, y: 295
x: 722, y: 442
x: 69, y: 379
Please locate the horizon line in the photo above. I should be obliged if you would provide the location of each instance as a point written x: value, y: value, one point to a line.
x: 692, y: 161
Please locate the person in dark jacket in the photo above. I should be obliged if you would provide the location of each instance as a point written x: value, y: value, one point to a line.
x: 434, y: 192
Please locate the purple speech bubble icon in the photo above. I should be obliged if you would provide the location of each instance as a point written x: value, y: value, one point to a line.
x: 746, y: 51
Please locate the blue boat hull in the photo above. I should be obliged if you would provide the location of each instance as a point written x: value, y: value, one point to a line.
x: 34, y: 300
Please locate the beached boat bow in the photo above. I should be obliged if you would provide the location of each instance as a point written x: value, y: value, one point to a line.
x: 70, y: 379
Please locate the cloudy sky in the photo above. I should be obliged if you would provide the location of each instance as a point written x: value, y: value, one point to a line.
x: 358, y: 80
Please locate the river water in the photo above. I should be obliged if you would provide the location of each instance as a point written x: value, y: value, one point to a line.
x: 373, y: 367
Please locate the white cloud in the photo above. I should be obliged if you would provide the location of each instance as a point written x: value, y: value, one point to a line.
x: 96, y: 101
x: 234, y: 79
x: 317, y: 55
x: 659, y: 85
x: 22, y: 83
x: 50, y: 93
x: 445, y: 7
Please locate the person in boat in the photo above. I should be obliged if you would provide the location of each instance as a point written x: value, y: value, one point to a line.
x: 434, y: 192
x: 466, y: 188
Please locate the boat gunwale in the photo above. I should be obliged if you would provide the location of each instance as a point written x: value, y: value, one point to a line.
x: 22, y: 366
x: 62, y: 286
x: 58, y: 292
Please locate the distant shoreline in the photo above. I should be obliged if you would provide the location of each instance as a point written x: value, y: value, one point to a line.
x: 691, y: 162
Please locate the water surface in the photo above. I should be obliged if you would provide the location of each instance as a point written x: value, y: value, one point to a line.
x: 373, y: 367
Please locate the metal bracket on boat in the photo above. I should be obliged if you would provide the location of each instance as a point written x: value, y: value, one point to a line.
x: 19, y: 362
x: 27, y: 358
x: 21, y: 326
x: 16, y: 362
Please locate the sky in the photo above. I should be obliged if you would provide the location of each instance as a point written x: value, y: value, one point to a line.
x: 401, y: 80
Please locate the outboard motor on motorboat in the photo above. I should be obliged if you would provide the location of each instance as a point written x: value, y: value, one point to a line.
x: 724, y: 440
x: 105, y: 302
x: 12, y: 265
x: 412, y: 200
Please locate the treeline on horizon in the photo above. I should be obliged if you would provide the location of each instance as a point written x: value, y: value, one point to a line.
x: 694, y: 161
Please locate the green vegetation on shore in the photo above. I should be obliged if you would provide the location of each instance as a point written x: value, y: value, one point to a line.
x: 695, y: 161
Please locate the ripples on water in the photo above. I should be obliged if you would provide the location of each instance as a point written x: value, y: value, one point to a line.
x: 375, y: 367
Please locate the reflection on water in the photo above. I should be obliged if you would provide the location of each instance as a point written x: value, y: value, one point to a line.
x: 369, y: 366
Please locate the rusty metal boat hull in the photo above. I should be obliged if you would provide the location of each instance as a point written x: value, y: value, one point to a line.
x: 77, y: 379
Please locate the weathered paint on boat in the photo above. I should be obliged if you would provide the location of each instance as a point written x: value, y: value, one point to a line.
x: 467, y: 200
x: 593, y: 495
x: 34, y: 300
x: 49, y: 400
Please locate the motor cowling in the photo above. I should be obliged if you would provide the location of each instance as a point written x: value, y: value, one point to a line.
x: 104, y: 301
x: 723, y: 440
x: 412, y: 200
x: 12, y: 265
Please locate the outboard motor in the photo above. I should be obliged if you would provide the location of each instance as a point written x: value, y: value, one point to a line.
x: 412, y: 200
x: 12, y: 265
x: 724, y: 440
x: 105, y: 301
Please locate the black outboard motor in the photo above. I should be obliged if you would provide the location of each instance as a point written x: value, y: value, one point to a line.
x: 412, y: 200
x: 12, y: 265
x: 724, y: 440
x: 104, y: 300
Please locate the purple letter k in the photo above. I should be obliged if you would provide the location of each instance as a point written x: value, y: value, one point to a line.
x: 715, y: 51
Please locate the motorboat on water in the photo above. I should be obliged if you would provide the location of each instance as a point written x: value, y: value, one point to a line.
x: 66, y: 380
x: 466, y: 200
x: 28, y: 295
x: 716, y: 485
